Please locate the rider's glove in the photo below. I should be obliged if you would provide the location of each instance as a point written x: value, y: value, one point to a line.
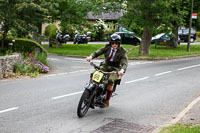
x: 89, y: 58
x: 121, y: 72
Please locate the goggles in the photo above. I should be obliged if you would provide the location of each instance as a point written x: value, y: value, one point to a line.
x: 117, y: 43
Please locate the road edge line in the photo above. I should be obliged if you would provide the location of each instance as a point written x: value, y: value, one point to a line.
x: 179, y: 116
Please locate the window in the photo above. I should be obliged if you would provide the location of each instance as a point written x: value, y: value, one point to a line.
x: 128, y: 36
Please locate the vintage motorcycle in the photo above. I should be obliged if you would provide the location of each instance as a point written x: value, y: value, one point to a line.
x: 95, y: 91
x: 61, y: 38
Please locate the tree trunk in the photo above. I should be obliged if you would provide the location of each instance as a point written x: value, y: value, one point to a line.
x: 175, y: 32
x: 3, y: 39
x: 146, y: 41
x: 2, y: 43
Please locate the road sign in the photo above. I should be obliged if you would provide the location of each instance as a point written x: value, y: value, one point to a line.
x: 194, y: 15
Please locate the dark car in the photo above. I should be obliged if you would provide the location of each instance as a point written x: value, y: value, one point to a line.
x: 183, y: 34
x: 162, y: 37
x: 129, y: 38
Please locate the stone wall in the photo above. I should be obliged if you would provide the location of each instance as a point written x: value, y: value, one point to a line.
x: 7, y: 64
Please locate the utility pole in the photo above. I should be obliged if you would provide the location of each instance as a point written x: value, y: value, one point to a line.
x: 188, y: 45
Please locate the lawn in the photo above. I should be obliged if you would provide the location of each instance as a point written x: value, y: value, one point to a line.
x: 180, y: 128
x: 161, y: 52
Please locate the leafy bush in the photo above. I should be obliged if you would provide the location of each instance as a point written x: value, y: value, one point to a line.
x: 24, y: 46
x: 2, y: 52
x: 198, y: 34
x: 99, y: 29
x: 68, y: 29
x: 8, y: 40
x: 50, y: 31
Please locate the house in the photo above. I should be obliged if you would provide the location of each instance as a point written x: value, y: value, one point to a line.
x: 105, y: 16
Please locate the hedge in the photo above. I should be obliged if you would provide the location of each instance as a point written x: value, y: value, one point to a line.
x: 50, y: 31
x: 198, y: 33
x: 24, y: 45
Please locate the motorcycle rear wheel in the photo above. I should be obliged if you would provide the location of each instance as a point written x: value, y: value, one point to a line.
x: 84, y: 103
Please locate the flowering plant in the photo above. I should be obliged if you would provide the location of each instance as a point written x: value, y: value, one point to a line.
x: 32, y: 65
x: 36, y: 64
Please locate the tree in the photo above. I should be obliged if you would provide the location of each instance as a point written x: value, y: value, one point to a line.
x: 186, y: 4
x: 71, y: 12
x: 7, y: 19
x: 22, y: 17
x: 180, y: 13
x: 197, y: 10
x: 149, y: 14
x: 30, y: 16
x: 177, y: 16
x: 146, y: 14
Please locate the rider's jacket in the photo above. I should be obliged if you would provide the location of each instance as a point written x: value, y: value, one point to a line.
x: 120, y: 59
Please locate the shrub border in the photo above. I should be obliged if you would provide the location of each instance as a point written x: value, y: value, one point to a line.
x: 28, y: 40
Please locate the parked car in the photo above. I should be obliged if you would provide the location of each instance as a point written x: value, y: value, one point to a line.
x: 183, y: 34
x: 129, y: 38
x: 162, y: 37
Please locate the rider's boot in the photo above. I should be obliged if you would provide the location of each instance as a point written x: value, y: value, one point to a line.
x: 109, y: 93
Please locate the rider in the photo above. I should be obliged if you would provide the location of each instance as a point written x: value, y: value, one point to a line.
x: 115, y: 60
x: 76, y: 34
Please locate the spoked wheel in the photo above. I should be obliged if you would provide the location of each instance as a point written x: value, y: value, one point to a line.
x: 84, y: 103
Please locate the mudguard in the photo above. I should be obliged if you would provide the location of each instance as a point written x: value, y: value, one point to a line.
x: 89, y: 86
x: 66, y: 36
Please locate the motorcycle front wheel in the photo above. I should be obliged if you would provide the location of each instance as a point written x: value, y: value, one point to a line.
x: 84, y: 103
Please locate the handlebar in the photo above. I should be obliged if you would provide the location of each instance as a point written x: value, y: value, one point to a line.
x: 98, y: 68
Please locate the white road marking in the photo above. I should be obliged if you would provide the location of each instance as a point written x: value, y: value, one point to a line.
x: 4, y: 80
x: 158, y: 74
x: 136, y: 80
x: 83, y: 70
x: 7, y: 110
x: 62, y: 73
x: 52, y: 59
x: 138, y: 63
x: 75, y: 59
x: 182, y: 113
x: 74, y: 72
x: 80, y: 61
x: 179, y: 116
x: 51, y: 75
x: 67, y: 95
x: 188, y: 67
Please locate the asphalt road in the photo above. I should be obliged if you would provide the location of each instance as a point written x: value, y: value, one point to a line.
x: 151, y: 94
x: 106, y: 42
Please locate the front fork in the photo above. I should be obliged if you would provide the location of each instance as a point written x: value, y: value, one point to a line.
x: 91, y: 86
x: 97, y: 96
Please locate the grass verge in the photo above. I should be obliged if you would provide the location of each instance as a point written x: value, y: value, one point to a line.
x: 180, y: 128
x: 161, y: 52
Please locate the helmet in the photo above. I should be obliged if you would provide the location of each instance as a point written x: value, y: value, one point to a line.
x: 57, y: 31
x: 76, y: 32
x: 115, y: 38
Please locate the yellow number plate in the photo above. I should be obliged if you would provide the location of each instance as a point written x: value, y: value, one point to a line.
x: 97, y: 76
